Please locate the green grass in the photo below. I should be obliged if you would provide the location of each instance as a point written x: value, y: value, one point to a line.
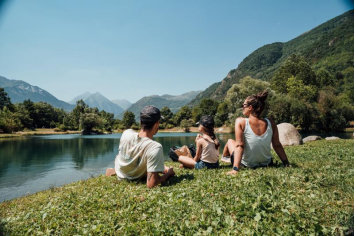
x: 315, y: 196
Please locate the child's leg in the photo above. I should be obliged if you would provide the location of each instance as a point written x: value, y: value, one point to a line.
x: 187, y: 161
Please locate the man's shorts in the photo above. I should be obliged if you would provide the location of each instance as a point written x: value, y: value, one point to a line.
x: 202, y: 165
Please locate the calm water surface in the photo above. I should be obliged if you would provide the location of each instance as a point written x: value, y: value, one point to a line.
x: 35, y: 163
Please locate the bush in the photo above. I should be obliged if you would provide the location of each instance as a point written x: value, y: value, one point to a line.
x: 135, y: 127
x: 169, y: 126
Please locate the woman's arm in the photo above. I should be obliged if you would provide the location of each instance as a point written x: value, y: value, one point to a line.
x: 239, y: 148
x: 277, y: 146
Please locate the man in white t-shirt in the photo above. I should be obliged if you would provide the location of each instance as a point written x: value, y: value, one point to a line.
x: 139, y: 155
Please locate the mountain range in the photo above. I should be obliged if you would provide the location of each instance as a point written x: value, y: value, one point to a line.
x: 171, y: 101
x: 18, y: 91
x: 329, y: 46
x: 99, y: 101
x: 123, y: 103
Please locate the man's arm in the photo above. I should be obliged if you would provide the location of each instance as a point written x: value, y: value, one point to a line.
x: 154, y: 178
x: 277, y: 146
x: 239, y: 148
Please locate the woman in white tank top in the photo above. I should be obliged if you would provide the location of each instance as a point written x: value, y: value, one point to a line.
x: 254, y: 135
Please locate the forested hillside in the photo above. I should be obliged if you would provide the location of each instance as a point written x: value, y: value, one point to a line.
x: 328, y: 47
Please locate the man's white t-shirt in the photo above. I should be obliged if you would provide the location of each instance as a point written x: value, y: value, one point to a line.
x: 137, y: 156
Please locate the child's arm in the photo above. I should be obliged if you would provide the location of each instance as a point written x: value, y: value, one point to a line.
x: 199, y: 150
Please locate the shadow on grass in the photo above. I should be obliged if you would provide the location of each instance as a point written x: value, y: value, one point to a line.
x: 274, y: 165
x: 177, y: 179
x: 2, y: 228
x: 171, y: 181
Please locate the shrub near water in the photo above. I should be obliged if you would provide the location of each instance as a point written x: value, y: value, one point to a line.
x: 315, y: 196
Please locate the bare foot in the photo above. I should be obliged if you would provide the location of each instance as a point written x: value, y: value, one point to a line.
x: 181, y: 166
x: 110, y: 172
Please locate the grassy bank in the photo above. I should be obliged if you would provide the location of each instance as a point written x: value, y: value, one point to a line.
x: 315, y: 196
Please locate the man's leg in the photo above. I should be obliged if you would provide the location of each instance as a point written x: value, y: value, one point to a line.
x: 110, y: 172
x: 187, y: 161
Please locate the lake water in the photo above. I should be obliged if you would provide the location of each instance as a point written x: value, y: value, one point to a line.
x: 35, y: 163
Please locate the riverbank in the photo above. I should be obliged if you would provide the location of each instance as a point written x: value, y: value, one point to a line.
x: 219, y: 130
x: 38, y: 132
x: 314, y: 196
x: 53, y: 132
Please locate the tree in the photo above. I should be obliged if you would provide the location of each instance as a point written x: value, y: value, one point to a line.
x: 4, y: 99
x: 9, y: 122
x: 294, y: 66
x: 335, y: 111
x: 222, y: 114
x: 206, y: 107
x: 184, y: 113
x: 237, y: 94
x: 186, y: 124
x: 168, y: 117
x: 128, y: 119
x: 89, y: 120
x: 76, y: 112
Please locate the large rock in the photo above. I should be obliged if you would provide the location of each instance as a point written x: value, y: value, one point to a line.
x: 289, y: 135
x: 332, y: 138
x: 311, y: 138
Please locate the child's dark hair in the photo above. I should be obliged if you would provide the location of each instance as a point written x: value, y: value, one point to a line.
x: 257, y: 101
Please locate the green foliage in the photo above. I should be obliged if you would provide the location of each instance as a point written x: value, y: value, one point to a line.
x: 330, y: 46
x: 168, y: 118
x: 314, y: 197
x: 295, y: 66
x: 222, y: 114
x: 128, y: 120
x: 206, y: 107
x: 246, y: 87
x: 334, y: 111
x: 184, y: 113
x: 186, y: 124
x: 135, y: 127
x: 9, y: 122
x: 297, y: 89
x: 4, y: 99
x: 88, y: 121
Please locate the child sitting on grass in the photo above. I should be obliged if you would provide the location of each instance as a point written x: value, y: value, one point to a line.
x: 207, y: 154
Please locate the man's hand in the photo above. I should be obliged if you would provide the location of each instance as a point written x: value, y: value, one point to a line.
x: 170, y: 172
x: 154, y: 178
x: 232, y: 172
x: 167, y: 169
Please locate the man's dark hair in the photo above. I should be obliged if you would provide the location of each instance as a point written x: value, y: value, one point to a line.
x: 149, y: 115
x: 147, y: 125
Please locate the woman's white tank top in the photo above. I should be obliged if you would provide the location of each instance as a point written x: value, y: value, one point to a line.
x: 257, y: 150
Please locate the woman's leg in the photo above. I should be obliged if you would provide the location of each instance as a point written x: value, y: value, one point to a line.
x: 187, y: 162
x: 229, y: 147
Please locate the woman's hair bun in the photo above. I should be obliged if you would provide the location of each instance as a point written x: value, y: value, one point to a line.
x: 262, y: 96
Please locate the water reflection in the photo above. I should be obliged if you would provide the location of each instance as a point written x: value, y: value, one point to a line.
x: 32, y: 164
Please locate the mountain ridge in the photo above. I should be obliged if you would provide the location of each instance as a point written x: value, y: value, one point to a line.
x: 174, y: 102
x: 316, y: 45
x: 19, y: 90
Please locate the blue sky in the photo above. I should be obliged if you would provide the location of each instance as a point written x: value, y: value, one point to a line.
x: 130, y: 49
